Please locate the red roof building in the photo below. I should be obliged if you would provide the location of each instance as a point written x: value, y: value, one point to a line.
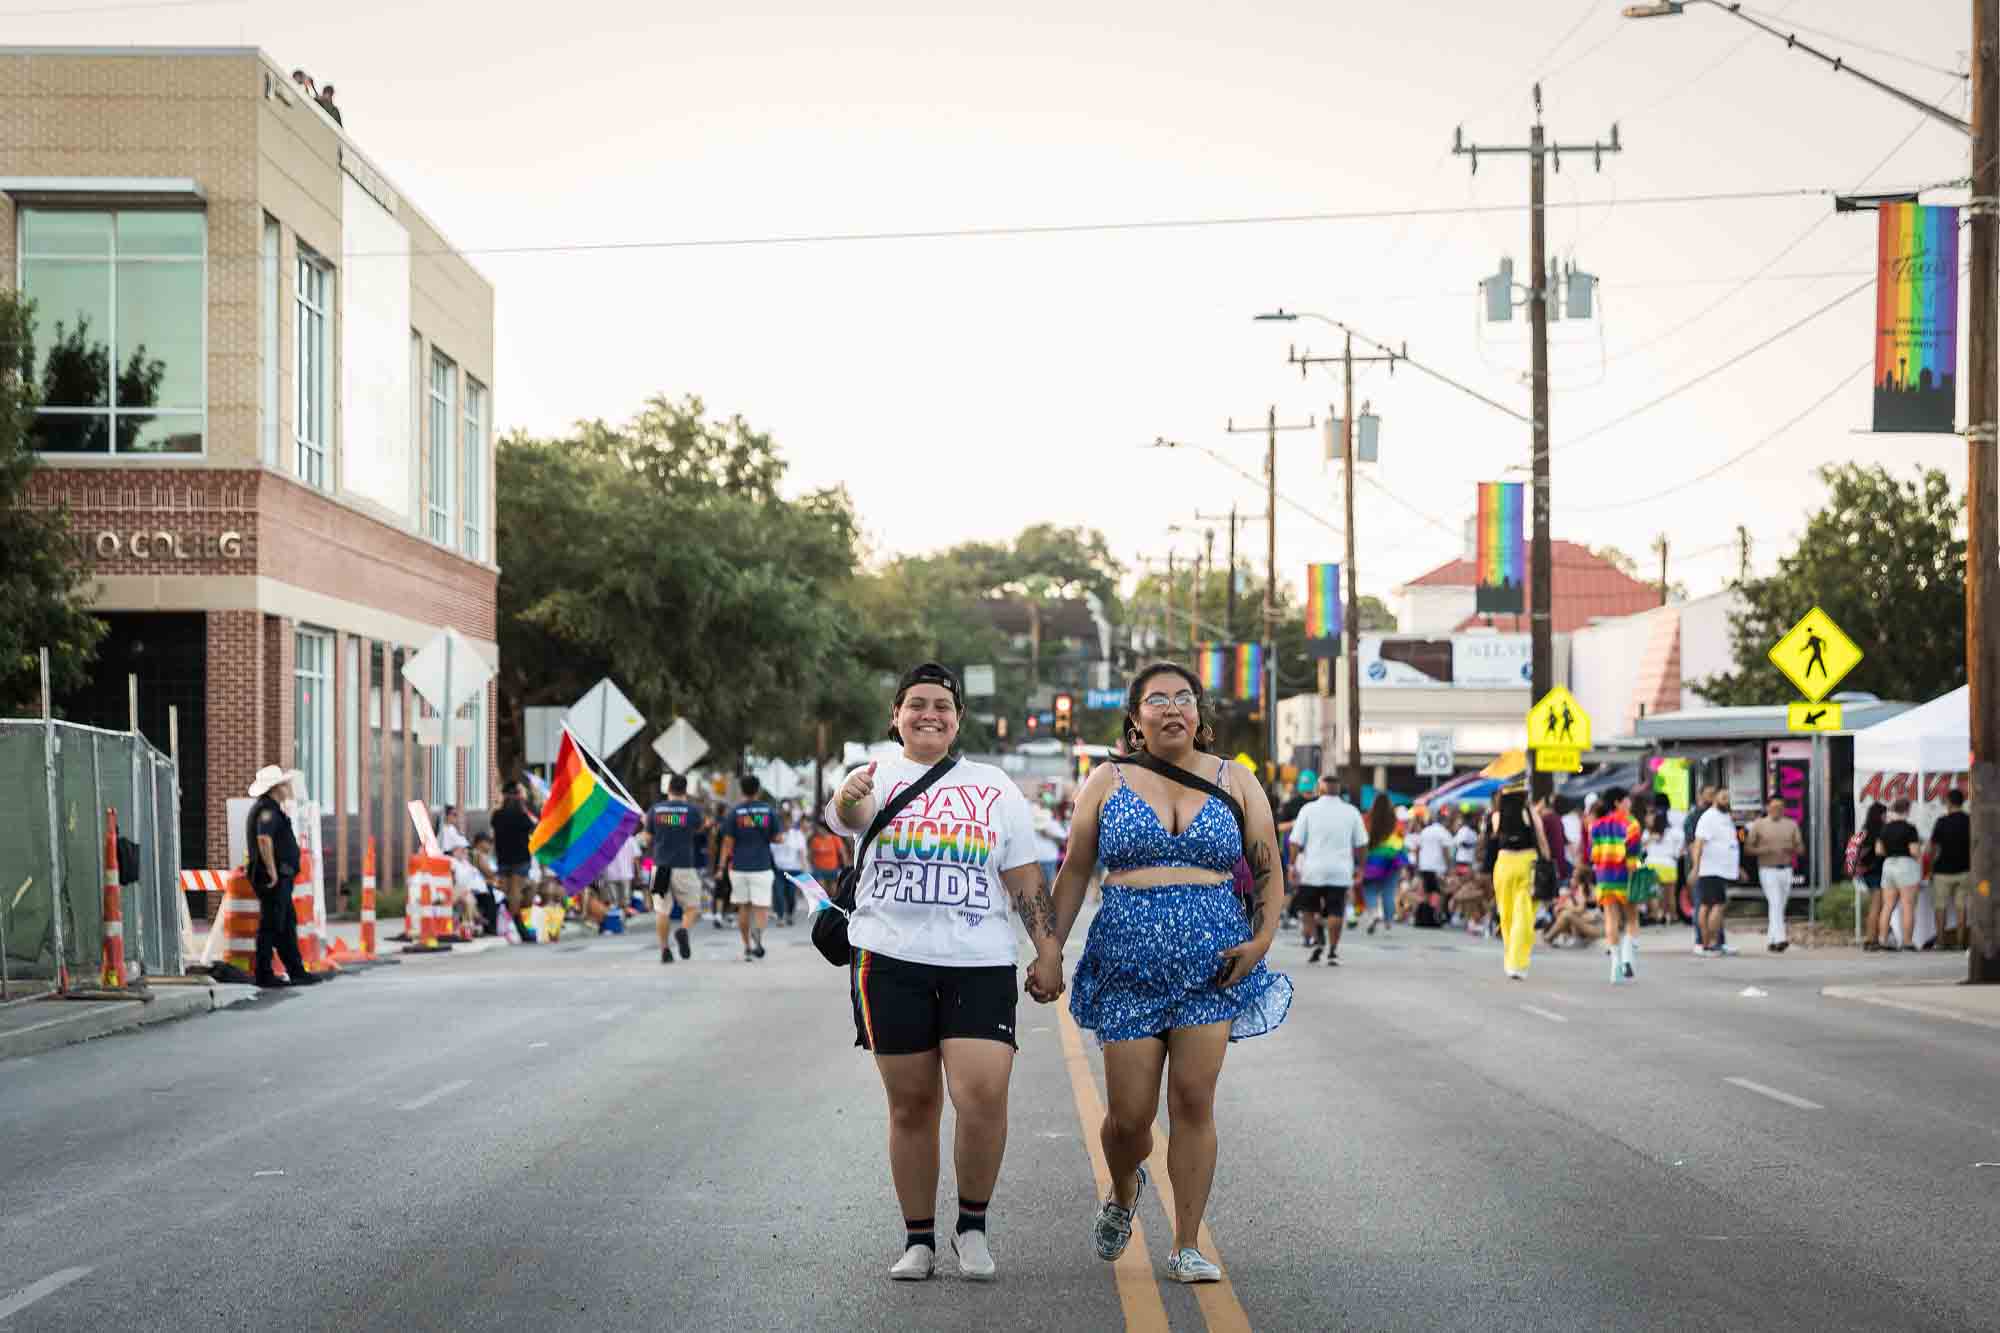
x: 1587, y: 588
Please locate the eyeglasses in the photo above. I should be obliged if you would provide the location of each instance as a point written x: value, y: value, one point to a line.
x: 1160, y: 703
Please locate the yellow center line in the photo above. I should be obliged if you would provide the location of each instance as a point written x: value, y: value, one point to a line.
x: 1138, y: 1289
x: 1219, y: 1306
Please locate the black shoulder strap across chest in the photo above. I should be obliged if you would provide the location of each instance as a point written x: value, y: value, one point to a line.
x: 900, y: 801
x: 1175, y: 773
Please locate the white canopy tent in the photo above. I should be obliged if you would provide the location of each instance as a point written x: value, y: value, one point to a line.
x: 1933, y: 738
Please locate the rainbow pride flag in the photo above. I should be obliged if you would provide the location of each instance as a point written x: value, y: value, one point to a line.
x: 1916, y: 317
x: 1211, y: 664
x: 1322, y: 602
x: 1249, y: 671
x: 1500, y: 564
x: 584, y: 822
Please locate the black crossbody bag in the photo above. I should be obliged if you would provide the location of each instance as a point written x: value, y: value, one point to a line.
x: 1175, y: 773
x: 829, y: 928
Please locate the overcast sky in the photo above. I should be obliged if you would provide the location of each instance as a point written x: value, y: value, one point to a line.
x: 966, y: 387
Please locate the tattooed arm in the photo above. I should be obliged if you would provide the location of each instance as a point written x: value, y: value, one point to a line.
x: 1037, y: 913
x: 1260, y: 849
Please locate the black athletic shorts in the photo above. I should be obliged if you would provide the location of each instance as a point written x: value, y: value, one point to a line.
x: 1433, y: 882
x: 1323, y: 899
x: 1713, y: 890
x: 905, y: 1008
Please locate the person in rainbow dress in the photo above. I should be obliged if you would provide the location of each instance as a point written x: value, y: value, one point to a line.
x: 1384, y: 866
x: 1614, y: 854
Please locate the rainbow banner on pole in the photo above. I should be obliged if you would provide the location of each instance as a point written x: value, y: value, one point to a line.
x: 1916, y: 318
x: 1212, y: 666
x: 1323, y: 610
x: 1500, y: 563
x: 584, y: 821
x: 1249, y: 671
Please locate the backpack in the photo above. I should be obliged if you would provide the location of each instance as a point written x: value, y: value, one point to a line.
x: 1856, y: 846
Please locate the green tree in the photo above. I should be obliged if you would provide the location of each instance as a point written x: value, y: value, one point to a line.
x: 44, y: 600
x: 1884, y: 559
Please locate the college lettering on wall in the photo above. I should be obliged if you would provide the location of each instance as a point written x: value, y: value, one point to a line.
x: 161, y: 544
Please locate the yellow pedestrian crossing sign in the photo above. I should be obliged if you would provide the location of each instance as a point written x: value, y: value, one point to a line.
x: 1559, y: 759
x: 1558, y: 722
x: 1815, y: 655
x: 1812, y: 717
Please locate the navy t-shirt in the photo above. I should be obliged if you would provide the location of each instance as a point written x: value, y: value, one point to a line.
x: 752, y: 824
x: 674, y: 824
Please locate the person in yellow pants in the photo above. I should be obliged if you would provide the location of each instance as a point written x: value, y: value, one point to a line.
x: 1521, y: 840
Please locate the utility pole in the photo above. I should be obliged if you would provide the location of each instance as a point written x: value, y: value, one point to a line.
x: 1234, y: 519
x: 1742, y: 553
x: 1982, y: 499
x: 1660, y: 549
x: 1538, y: 150
x: 1350, y: 583
x: 1270, y: 682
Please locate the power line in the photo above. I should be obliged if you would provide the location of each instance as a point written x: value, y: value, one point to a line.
x: 1735, y: 458
x: 116, y: 8
x: 1859, y: 45
x: 1254, y: 481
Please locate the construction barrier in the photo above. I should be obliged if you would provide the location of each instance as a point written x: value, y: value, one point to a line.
x: 429, y: 880
x: 237, y: 924
x: 210, y: 884
x: 111, y: 976
x: 368, y: 900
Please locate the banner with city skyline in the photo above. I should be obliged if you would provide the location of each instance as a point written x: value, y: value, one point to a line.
x: 1916, y: 318
x: 1500, y: 557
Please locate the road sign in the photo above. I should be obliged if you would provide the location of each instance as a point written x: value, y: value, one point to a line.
x: 680, y: 746
x: 979, y: 682
x: 1558, y: 759
x: 604, y: 719
x: 1108, y: 701
x: 1436, y: 755
x: 448, y: 672
x: 1558, y: 722
x: 1813, y: 717
x: 1815, y: 655
x: 543, y: 727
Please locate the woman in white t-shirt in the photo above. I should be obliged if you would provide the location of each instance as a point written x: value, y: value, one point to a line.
x: 932, y: 981
x: 788, y: 858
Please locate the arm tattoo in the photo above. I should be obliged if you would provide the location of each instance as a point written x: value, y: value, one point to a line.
x: 1259, y: 857
x: 1036, y: 907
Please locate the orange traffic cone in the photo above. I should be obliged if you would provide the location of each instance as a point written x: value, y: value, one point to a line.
x: 111, y: 976
x: 368, y: 900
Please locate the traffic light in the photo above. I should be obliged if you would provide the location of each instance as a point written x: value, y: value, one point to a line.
x: 1000, y: 728
x: 1063, y: 704
x: 1033, y: 724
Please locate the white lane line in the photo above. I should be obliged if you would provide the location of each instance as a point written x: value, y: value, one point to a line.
x: 613, y: 1014
x: 1774, y: 1094
x: 436, y: 1094
x: 1543, y: 1013
x: 35, y: 1291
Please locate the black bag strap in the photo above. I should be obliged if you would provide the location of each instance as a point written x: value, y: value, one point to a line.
x: 1175, y: 773
x: 899, y: 802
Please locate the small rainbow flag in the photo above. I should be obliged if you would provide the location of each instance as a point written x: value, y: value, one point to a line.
x: 1249, y: 671
x: 1501, y: 561
x: 1322, y: 601
x: 584, y: 822
x: 1212, y: 666
x: 1916, y: 317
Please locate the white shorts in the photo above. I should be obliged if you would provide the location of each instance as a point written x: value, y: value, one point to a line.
x: 750, y: 888
x: 1901, y: 872
x: 683, y: 886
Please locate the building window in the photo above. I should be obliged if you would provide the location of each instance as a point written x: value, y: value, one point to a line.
x: 350, y: 725
x: 118, y: 346
x: 473, y: 503
x: 444, y: 386
x: 314, y: 364
x: 312, y: 713
x: 270, y: 307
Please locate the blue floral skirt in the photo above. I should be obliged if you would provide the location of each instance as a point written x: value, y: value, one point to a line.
x: 1151, y: 960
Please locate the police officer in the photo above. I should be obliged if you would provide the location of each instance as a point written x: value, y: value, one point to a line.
x: 274, y: 864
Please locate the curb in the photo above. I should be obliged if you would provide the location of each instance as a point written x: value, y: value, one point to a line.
x: 1874, y: 995
x: 65, y: 1022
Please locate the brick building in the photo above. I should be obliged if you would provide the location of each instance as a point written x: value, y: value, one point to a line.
x: 267, y: 399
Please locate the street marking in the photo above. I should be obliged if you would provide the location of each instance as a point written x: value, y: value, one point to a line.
x: 536, y: 1045
x: 1775, y: 1095
x: 613, y: 1014
x: 436, y: 1094
x: 1543, y: 1013
x: 54, y: 1283
x: 256, y: 1175
x: 1910, y: 1006
x: 1138, y: 1289
x: 1219, y: 1307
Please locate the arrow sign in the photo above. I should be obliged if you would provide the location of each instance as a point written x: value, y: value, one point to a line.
x: 1813, y: 717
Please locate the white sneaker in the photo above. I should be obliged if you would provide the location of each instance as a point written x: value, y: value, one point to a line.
x: 917, y: 1264
x: 975, y: 1260
x: 1188, y: 1266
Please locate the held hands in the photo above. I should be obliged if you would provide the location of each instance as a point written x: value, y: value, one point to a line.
x: 860, y: 785
x: 1045, y: 978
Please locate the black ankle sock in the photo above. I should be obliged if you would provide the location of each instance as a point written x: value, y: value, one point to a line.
x: 972, y: 1215
x: 920, y: 1231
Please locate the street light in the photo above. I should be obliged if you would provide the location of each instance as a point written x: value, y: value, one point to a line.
x: 1674, y: 8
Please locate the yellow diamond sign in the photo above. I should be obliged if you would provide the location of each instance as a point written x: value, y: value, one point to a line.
x: 1558, y: 722
x: 1815, y: 655
x: 1813, y: 717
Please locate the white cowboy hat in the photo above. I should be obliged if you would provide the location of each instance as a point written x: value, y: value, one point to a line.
x: 269, y: 776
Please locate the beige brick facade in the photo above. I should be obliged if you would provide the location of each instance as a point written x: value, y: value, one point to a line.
x: 235, y: 533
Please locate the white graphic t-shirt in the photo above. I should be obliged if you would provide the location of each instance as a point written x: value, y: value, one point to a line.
x: 930, y: 890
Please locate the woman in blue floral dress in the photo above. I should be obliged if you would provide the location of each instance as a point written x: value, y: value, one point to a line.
x: 1173, y: 969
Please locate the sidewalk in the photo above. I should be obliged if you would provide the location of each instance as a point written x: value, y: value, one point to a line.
x: 1978, y: 1005
x: 43, y: 1025
x: 386, y: 943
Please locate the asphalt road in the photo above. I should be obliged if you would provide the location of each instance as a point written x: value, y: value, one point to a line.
x: 574, y: 1136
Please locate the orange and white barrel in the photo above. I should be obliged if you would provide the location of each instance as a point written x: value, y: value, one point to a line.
x: 111, y: 975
